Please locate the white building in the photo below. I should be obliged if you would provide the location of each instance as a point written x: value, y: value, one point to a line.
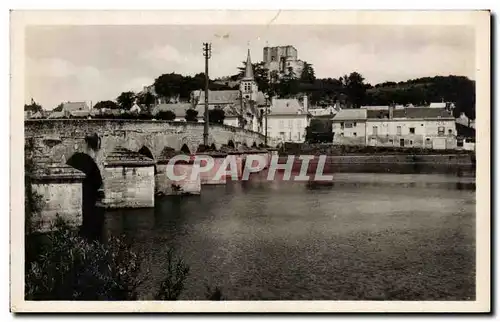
x: 287, y: 120
x: 422, y: 127
x: 349, y: 126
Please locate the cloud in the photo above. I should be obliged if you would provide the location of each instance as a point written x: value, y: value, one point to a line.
x: 99, y: 62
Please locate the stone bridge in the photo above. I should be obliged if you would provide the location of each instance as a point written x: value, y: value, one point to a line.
x: 58, y: 140
x: 76, y: 160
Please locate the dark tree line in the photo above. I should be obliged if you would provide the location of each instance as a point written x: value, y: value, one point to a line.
x: 350, y: 91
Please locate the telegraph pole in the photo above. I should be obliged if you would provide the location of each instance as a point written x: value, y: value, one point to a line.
x: 207, y: 48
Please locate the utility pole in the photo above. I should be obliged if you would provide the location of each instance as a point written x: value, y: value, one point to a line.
x: 265, y: 126
x: 207, y: 49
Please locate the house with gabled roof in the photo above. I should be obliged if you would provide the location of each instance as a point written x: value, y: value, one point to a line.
x: 349, y: 126
x: 287, y: 120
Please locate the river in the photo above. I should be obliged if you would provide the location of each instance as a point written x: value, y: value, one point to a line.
x: 367, y: 236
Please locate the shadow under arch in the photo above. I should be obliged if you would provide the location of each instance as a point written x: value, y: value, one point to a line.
x: 185, y: 149
x: 92, y: 218
x: 145, y: 151
x: 254, y: 145
x: 230, y: 144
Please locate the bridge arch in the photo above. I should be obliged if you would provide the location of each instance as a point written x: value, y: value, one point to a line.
x: 90, y: 186
x: 145, y: 151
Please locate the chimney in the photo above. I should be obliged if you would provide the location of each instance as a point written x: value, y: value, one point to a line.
x: 391, y: 111
x: 305, y: 103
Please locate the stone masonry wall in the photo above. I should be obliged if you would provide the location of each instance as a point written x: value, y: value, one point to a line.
x: 60, y: 198
x: 60, y: 139
x: 129, y: 187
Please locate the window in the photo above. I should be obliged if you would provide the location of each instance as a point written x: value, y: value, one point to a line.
x: 342, y: 134
x: 354, y: 124
x: 341, y: 125
x: 282, y: 124
x: 299, y: 124
x: 427, y: 140
x: 355, y: 134
x: 412, y: 130
x: 290, y: 124
x: 398, y: 130
x: 450, y: 131
x: 375, y: 130
x: 441, y: 130
x: 298, y: 135
x: 391, y: 141
x: 348, y: 125
x: 411, y: 142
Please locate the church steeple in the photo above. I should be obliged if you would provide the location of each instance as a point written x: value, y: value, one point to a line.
x: 248, y: 68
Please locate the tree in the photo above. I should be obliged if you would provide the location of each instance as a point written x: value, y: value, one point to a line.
x: 288, y: 86
x: 191, y: 115
x: 126, y: 100
x: 146, y: 99
x: 319, y: 131
x: 33, y: 107
x: 216, y: 116
x: 166, y: 115
x: 307, y: 75
x: 169, y: 85
x: 58, y: 108
x: 107, y: 105
x: 354, y: 88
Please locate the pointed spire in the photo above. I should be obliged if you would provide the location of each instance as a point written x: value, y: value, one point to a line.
x: 248, y: 68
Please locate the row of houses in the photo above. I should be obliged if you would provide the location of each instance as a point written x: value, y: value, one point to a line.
x: 422, y: 127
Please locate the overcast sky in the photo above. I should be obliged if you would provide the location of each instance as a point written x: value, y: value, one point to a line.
x: 95, y: 63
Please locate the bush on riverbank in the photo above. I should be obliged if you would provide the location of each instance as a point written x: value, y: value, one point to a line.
x: 69, y: 267
x: 64, y: 265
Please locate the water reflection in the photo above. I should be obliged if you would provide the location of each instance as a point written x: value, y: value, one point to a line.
x: 362, y: 236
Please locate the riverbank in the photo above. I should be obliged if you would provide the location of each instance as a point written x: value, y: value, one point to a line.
x: 346, y: 150
x: 448, y: 159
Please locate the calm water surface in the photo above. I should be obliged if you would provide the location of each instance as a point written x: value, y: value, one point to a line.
x: 366, y: 236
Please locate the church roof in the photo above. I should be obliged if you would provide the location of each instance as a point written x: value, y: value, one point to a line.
x: 219, y: 97
x: 75, y: 106
x: 248, y: 68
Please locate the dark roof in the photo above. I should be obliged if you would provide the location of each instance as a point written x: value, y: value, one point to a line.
x: 422, y: 112
x: 377, y: 114
x: 411, y: 112
x: 122, y: 156
x: 74, y: 106
x: 218, y: 97
x: 465, y: 131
